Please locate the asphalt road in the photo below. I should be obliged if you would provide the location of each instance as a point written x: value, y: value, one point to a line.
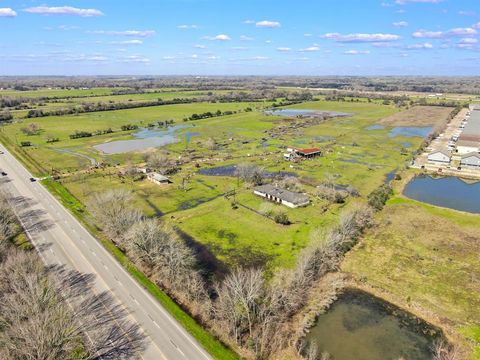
x: 61, y: 239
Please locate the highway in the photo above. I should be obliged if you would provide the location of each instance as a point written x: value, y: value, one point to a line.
x: 61, y: 239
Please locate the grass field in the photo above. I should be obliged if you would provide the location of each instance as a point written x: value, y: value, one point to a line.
x: 418, y: 116
x: 426, y: 259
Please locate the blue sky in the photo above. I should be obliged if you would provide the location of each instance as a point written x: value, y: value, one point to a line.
x: 248, y: 37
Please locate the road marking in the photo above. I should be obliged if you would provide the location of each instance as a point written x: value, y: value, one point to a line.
x: 176, y: 346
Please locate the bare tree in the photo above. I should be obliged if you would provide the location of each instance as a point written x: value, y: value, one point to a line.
x: 54, y: 314
x: 158, y: 161
x: 250, y: 173
x: 445, y: 351
x: 8, y: 222
x: 114, y: 211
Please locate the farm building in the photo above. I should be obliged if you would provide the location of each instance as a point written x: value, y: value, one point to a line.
x: 308, y: 153
x: 472, y: 159
x: 158, y: 178
x: 439, y: 156
x: 282, y: 196
x: 469, y: 140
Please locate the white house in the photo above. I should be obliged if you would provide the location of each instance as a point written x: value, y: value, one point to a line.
x: 439, y: 156
x: 158, y: 178
x: 472, y: 159
x: 282, y: 196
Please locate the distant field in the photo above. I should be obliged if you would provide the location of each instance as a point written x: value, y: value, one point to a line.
x: 418, y: 116
x: 427, y: 259
x: 58, y: 92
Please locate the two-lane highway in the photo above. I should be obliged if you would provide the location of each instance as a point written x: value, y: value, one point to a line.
x: 61, y: 239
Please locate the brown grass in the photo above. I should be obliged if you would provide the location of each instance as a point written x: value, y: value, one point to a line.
x: 418, y: 116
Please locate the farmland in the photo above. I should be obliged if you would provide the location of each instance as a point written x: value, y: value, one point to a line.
x: 228, y: 226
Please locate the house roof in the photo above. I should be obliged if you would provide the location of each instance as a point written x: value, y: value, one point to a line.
x: 472, y: 154
x: 307, y: 150
x: 468, y: 143
x: 286, y: 195
x: 441, y: 152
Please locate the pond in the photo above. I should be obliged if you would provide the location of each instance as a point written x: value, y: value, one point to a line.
x: 229, y: 170
x: 306, y: 113
x: 450, y: 192
x: 144, y: 139
x: 410, y: 131
x: 361, y: 326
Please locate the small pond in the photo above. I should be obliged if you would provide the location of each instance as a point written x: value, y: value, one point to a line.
x: 229, y: 170
x: 360, y: 326
x: 306, y: 113
x: 410, y: 131
x: 144, y: 139
x: 450, y: 192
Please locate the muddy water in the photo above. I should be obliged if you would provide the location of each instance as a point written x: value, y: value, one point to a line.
x: 359, y: 326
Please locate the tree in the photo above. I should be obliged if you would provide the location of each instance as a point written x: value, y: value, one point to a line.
x: 55, y: 314
x: 8, y: 222
x: 158, y: 161
x: 250, y: 173
x: 31, y: 129
x: 115, y: 212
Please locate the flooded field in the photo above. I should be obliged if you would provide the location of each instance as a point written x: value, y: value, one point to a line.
x: 144, y: 139
x: 449, y: 192
x: 410, y: 131
x: 360, y: 326
x: 306, y: 113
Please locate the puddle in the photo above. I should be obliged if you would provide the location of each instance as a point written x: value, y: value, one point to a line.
x: 376, y: 127
x: 450, y: 192
x: 361, y: 326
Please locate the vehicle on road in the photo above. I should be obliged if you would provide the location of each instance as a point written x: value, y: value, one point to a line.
x: 4, y: 173
x: 32, y: 179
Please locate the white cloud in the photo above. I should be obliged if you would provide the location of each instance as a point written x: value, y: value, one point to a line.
x: 352, y: 38
x: 444, y: 34
x: 220, y: 37
x: 400, y: 24
x: 419, y: 46
x: 7, y: 12
x: 260, y: 58
x: 239, y: 48
x: 310, y: 49
x: 213, y: 57
x: 186, y: 27
x: 63, y: 10
x: 468, y: 41
x: 168, y: 58
x: 134, y: 59
x: 403, y: 2
x: 246, y: 38
x: 476, y: 26
x: 128, y: 42
x: 307, y: 35
x: 284, y: 49
x: 249, y: 22
x: 199, y: 46
x: 356, y: 52
x: 137, y: 33
x: 267, y: 24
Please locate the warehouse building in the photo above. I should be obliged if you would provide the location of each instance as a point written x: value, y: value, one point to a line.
x: 469, y: 140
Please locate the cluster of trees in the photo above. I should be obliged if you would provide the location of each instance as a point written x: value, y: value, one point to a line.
x: 5, y: 116
x: 53, y: 313
x: 128, y: 127
x: 378, y: 197
x: 250, y: 173
x: 80, y: 134
x: 210, y: 114
x: 156, y: 249
x: 31, y: 129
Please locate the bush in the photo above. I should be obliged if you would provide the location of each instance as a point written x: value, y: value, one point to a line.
x: 281, y: 218
x: 379, y: 197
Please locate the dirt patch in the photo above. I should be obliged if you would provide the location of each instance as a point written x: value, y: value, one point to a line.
x: 418, y: 116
